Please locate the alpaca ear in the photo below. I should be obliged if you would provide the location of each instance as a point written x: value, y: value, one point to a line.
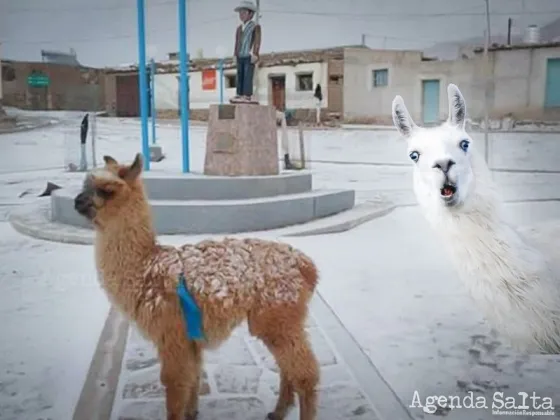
x: 401, y: 118
x: 130, y: 173
x: 457, y: 106
x: 109, y: 160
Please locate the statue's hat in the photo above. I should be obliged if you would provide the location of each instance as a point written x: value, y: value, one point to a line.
x: 246, y: 4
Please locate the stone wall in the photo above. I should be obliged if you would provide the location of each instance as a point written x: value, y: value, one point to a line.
x: 70, y: 88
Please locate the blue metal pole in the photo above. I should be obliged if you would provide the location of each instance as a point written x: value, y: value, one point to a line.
x: 143, y: 82
x: 184, y: 80
x: 221, y: 81
x: 153, y: 98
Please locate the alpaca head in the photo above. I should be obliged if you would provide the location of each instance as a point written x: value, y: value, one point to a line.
x: 107, y: 191
x: 442, y: 156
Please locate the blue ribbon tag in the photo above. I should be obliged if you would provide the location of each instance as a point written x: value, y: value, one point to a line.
x: 191, y: 312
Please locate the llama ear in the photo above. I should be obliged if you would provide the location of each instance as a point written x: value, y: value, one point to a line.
x: 457, y: 106
x: 401, y: 117
x: 130, y: 173
x: 109, y: 160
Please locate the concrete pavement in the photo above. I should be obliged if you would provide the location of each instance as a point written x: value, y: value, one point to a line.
x: 240, y: 380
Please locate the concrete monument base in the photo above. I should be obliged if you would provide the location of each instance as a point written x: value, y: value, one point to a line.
x: 241, y: 140
x: 198, y: 204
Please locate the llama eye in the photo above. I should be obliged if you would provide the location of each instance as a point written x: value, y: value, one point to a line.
x: 464, y: 145
x: 414, y: 156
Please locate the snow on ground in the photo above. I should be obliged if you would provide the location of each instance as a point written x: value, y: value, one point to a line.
x: 388, y: 280
x: 52, y: 313
x: 392, y: 286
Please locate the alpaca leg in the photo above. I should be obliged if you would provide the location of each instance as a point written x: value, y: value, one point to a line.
x: 295, y: 357
x: 299, y: 372
x: 282, y: 331
x: 194, y: 390
x: 285, y: 399
x: 176, y: 381
x: 175, y: 390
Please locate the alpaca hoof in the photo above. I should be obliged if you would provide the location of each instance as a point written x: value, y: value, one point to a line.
x: 192, y: 416
x: 272, y: 416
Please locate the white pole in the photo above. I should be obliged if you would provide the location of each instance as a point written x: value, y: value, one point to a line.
x: 486, y: 84
x: 256, y: 71
x: 93, y: 137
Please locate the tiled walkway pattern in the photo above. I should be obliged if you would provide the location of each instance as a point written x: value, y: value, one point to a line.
x: 240, y: 382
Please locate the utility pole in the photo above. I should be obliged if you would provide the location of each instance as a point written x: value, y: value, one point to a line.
x: 363, y: 40
x: 256, y: 71
x: 487, y: 83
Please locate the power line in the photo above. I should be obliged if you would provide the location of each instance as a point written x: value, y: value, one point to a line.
x: 96, y: 39
x: 385, y: 16
x: 397, y: 16
x: 134, y: 35
x: 405, y: 15
x: 81, y: 9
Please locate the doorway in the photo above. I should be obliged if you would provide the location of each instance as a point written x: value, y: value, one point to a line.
x: 552, y: 96
x: 278, y: 92
x: 430, y: 101
x: 38, y: 97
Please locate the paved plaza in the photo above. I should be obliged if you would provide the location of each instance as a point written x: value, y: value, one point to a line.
x: 390, y: 317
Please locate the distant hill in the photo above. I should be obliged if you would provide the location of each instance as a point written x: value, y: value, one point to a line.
x: 451, y: 50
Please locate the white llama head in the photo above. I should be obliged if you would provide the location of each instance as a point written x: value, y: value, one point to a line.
x: 442, y: 156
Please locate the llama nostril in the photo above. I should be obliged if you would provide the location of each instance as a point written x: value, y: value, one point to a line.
x: 444, y: 165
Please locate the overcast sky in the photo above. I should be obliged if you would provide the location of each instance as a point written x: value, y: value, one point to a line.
x: 103, y: 32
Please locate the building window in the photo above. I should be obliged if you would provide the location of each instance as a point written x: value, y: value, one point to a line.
x: 335, y: 79
x: 304, y: 82
x: 380, y: 78
x: 230, y: 81
x: 8, y: 73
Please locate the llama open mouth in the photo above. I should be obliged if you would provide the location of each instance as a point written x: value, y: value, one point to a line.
x: 448, y: 191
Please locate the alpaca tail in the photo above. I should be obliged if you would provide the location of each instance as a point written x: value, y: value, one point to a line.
x: 308, y: 270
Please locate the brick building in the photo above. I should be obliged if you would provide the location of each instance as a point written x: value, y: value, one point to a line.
x: 69, y: 87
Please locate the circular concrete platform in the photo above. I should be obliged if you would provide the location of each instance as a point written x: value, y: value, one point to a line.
x: 35, y: 220
x: 198, y: 204
x: 201, y: 187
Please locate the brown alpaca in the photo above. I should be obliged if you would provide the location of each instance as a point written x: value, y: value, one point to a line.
x: 269, y: 284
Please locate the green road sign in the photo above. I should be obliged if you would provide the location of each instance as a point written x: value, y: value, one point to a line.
x: 38, y: 80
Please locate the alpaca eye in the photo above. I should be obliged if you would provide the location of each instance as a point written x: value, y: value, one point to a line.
x: 414, y: 156
x: 104, y: 194
x: 464, y: 145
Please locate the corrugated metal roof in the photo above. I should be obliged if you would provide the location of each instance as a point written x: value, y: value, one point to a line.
x: 497, y: 47
x: 267, y: 60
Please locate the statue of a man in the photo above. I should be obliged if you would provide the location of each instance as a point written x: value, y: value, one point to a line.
x: 246, y: 50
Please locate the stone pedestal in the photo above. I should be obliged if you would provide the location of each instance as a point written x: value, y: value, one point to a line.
x: 241, y: 140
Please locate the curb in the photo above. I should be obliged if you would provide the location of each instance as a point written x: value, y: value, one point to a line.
x: 46, y: 124
x: 382, y: 397
x: 100, y: 386
x: 346, y: 225
x: 34, y: 221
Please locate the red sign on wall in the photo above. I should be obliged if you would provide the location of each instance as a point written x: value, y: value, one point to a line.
x: 209, y: 79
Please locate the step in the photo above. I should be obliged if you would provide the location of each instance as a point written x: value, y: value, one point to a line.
x: 223, y: 216
x: 204, y: 187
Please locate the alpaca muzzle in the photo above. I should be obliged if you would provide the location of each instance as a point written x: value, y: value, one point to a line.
x: 83, y: 204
